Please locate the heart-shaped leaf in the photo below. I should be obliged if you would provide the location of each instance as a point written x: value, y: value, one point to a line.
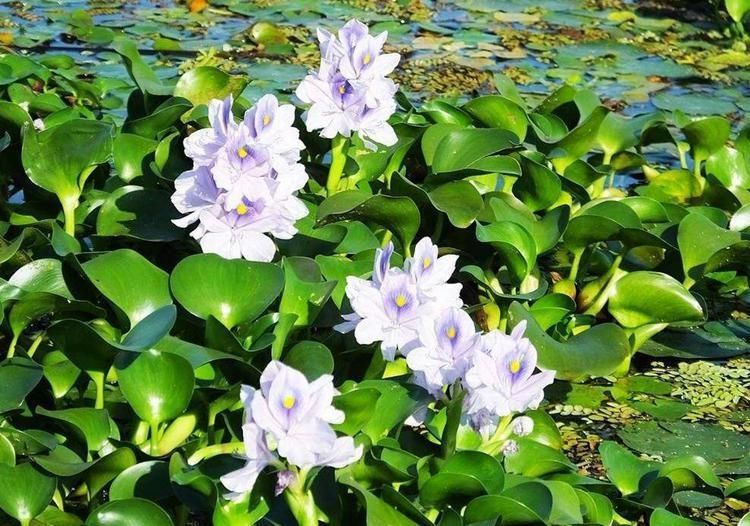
x: 232, y: 291
x: 157, y: 385
x: 645, y: 297
x: 132, y: 283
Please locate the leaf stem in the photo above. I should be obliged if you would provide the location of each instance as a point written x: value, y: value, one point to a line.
x: 154, y: 438
x: 12, y: 346
x: 577, y: 256
x: 69, y: 213
x: 98, y: 378
x: 339, y: 145
x: 216, y: 449
x: 611, y: 277
x: 35, y: 344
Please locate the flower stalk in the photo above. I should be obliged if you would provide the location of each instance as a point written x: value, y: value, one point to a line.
x: 339, y: 146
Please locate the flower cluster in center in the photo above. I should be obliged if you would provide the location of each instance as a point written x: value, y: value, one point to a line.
x: 242, y: 188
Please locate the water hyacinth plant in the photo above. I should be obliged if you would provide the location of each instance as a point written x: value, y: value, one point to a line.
x: 336, y: 306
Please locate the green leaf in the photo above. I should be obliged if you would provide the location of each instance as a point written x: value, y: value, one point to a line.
x: 398, y: 214
x: 130, y: 154
x: 311, y: 358
x: 143, y: 76
x: 378, y: 512
x: 737, y: 9
x: 598, y: 351
x: 699, y: 239
x: 706, y: 136
x: 140, y: 213
x: 129, y: 512
x: 167, y: 114
x: 490, y: 508
x: 645, y: 297
x: 147, y: 480
x: 205, y: 83
x: 94, y: 425
x: 627, y: 472
x: 305, y: 291
x: 662, y: 517
x: 24, y: 491
x: 18, y: 376
x: 61, y: 158
x: 232, y: 291
x: 460, y: 149
x: 495, y: 111
x: 514, y: 244
x: 535, y: 460
x: 157, y: 385
x: 358, y: 406
x: 130, y: 282
x: 459, y: 200
x: 538, y: 187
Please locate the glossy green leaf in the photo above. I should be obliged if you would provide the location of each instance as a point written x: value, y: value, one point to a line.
x: 24, y: 491
x: 311, y: 358
x: 60, y: 159
x: 459, y: 200
x: 157, y: 385
x: 514, y: 245
x: 140, y: 213
x: 205, y: 83
x: 232, y: 291
x: 460, y: 149
x: 598, y: 351
x: 18, y: 376
x: 129, y: 512
x: 626, y: 471
x: 645, y: 297
x: 398, y: 214
x: 699, y: 239
x: 128, y: 280
x: 495, y: 111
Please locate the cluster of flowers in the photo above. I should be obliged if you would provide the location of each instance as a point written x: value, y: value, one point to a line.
x: 244, y: 180
x: 415, y: 312
x: 288, y: 426
x: 350, y: 92
x: 245, y: 176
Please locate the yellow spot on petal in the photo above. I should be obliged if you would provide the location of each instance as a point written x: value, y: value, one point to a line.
x: 451, y: 332
x: 400, y: 300
x: 426, y: 262
x: 515, y: 366
x: 242, y: 152
x: 266, y: 120
x: 288, y: 402
x: 242, y: 209
x: 342, y: 89
x: 367, y: 59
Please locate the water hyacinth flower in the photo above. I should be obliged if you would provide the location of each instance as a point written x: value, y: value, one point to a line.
x: 501, y: 380
x: 288, y: 425
x: 445, y: 350
x: 242, y: 190
x: 391, y: 306
x: 350, y: 93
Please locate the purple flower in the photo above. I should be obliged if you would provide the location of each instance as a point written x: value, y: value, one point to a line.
x: 431, y: 272
x: 390, y: 309
x: 502, y: 381
x: 202, y: 145
x: 257, y: 456
x: 296, y: 416
x: 288, y: 425
x: 350, y: 92
x: 242, y: 190
x: 446, y: 347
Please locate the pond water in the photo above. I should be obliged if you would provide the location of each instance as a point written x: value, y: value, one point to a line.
x: 634, y: 54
